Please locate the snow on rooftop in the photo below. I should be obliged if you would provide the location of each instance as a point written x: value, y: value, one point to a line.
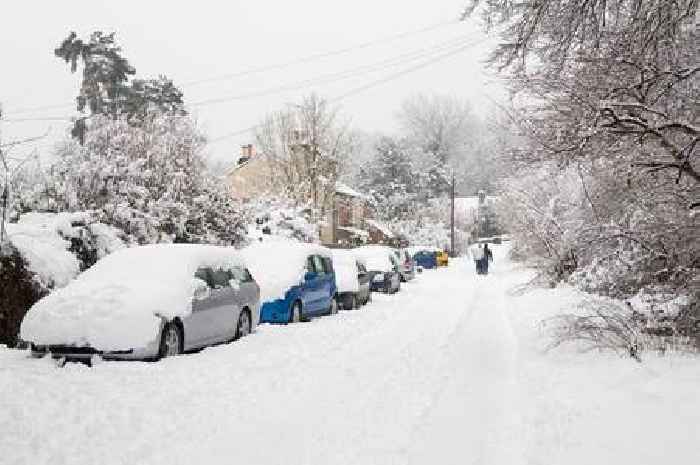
x: 354, y: 231
x: 344, y: 189
x: 116, y: 304
x: 384, y: 229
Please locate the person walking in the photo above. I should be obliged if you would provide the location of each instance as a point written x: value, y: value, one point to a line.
x: 477, y: 254
x: 488, y: 257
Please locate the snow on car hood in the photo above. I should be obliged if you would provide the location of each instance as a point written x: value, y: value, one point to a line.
x: 376, y: 257
x: 116, y: 304
x: 277, y: 264
x: 344, y: 264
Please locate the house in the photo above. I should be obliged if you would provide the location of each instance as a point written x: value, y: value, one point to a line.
x: 250, y: 176
x: 346, y: 222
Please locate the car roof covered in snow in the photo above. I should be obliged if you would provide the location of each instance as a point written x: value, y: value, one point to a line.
x: 376, y: 257
x: 117, y: 303
x: 344, y: 263
x: 277, y: 264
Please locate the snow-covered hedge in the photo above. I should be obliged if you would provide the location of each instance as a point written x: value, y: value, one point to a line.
x: 45, y: 251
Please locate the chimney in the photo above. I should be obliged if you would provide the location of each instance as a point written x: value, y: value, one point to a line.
x: 247, y: 152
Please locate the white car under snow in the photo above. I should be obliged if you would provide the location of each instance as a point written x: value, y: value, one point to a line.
x: 147, y: 302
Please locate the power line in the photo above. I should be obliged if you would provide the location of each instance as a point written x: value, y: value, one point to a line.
x: 319, y: 56
x: 409, y: 70
x: 341, y: 75
x: 23, y: 120
x: 323, y: 79
x: 370, y: 85
x: 275, y: 66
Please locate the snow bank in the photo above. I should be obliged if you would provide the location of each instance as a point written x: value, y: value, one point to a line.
x: 278, y: 264
x: 115, y: 304
x: 376, y: 257
x: 344, y: 263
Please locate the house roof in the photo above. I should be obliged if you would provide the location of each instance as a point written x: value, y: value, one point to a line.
x: 354, y: 231
x: 344, y: 189
x: 381, y: 227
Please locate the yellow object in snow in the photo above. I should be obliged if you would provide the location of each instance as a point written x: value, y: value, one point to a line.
x: 442, y: 258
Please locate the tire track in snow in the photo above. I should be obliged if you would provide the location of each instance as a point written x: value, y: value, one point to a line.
x: 476, y: 419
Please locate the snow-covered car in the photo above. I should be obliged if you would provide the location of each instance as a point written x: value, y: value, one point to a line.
x: 382, y: 266
x: 297, y: 280
x: 407, y: 266
x: 147, y: 302
x: 352, y: 279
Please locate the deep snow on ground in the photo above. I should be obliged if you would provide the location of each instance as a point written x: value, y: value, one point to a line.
x: 450, y: 370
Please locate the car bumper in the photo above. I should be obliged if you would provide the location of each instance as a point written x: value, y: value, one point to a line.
x: 276, y: 311
x: 84, y: 354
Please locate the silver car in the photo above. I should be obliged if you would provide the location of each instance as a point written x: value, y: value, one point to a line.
x: 147, y: 303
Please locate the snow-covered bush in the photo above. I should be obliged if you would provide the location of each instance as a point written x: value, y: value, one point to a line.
x: 149, y: 181
x: 280, y: 217
x: 45, y: 251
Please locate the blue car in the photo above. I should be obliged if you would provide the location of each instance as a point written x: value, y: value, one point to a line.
x: 425, y: 259
x: 314, y: 296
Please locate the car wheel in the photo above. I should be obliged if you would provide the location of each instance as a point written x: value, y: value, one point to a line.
x: 369, y: 297
x: 244, y: 324
x: 170, y: 341
x: 295, y: 313
x: 353, y: 302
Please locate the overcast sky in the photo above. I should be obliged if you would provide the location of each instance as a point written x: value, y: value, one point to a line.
x: 196, y: 40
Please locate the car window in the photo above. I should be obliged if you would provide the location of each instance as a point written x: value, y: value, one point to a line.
x: 241, y: 275
x: 221, y: 278
x: 328, y: 264
x: 360, y: 267
x: 319, y: 264
x: 394, y: 260
x: 205, y: 274
x: 310, y: 264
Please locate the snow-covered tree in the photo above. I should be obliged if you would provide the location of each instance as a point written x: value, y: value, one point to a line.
x: 391, y: 178
x: 150, y: 181
x: 105, y: 88
x: 307, y: 147
x: 441, y: 128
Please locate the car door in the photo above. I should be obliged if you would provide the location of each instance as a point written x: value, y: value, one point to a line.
x: 309, y: 289
x: 395, y: 273
x: 226, y: 305
x: 363, y: 279
x: 321, y: 285
x: 329, y: 282
x: 247, y: 292
x: 212, y: 314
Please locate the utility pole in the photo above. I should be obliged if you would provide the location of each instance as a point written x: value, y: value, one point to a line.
x: 452, y: 216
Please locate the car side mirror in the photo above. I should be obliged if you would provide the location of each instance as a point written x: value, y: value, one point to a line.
x: 309, y: 276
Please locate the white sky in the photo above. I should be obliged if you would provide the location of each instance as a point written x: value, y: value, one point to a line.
x: 195, y: 40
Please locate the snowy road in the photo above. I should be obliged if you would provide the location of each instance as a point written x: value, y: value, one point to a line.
x: 447, y: 371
